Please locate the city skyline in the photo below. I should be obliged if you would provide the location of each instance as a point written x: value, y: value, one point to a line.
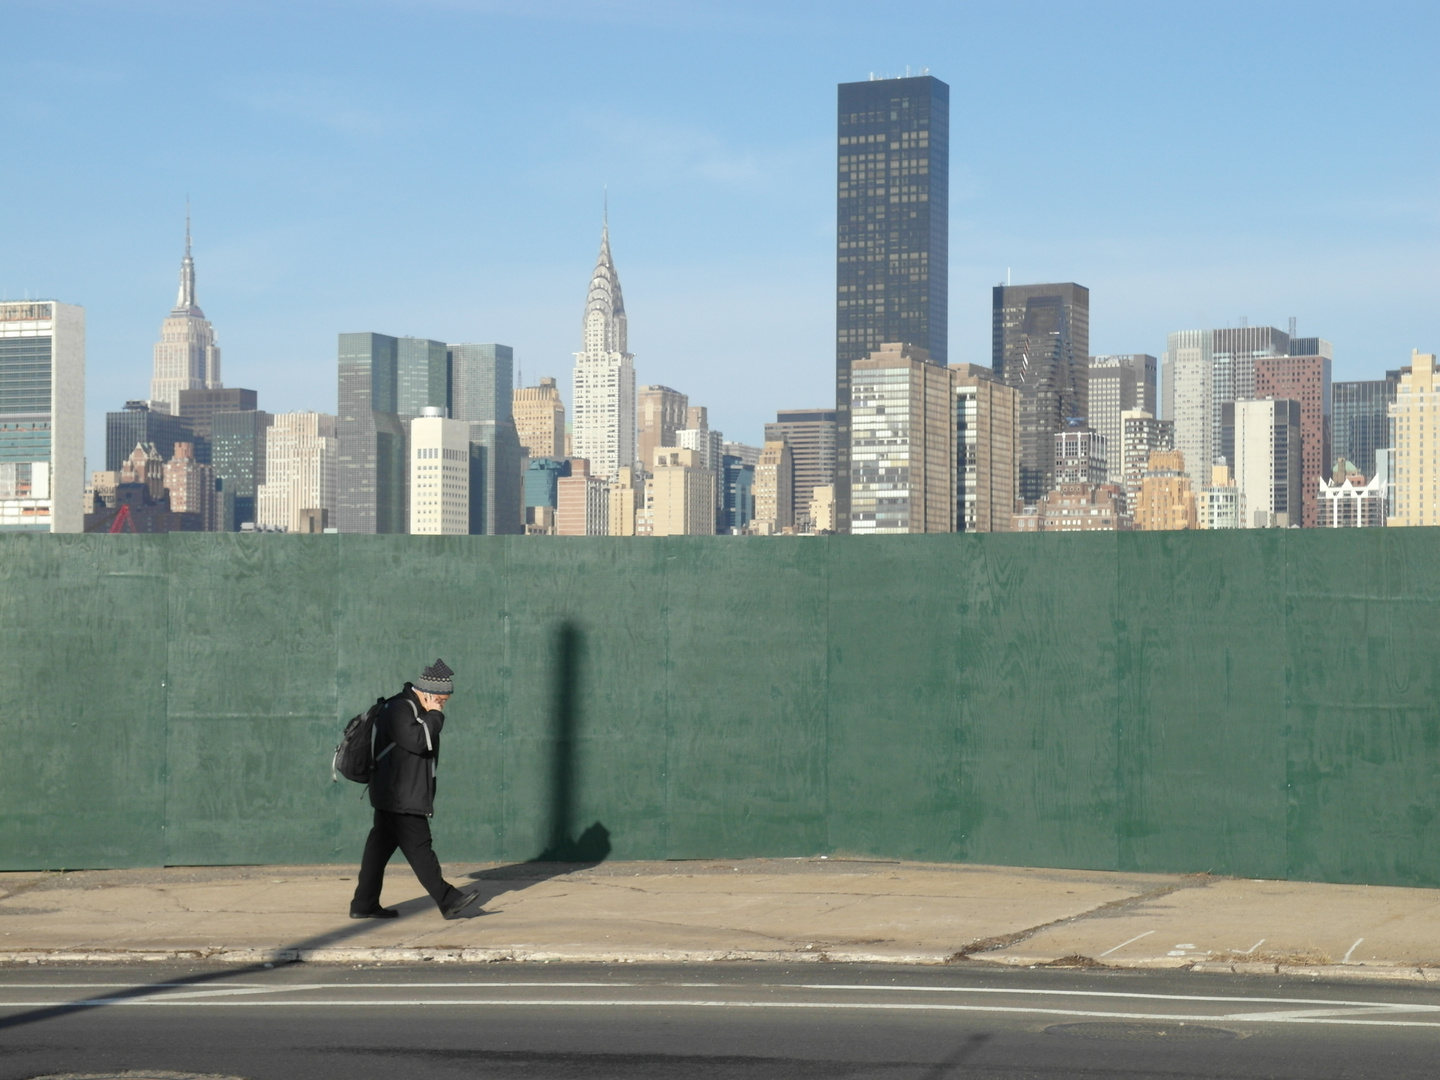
x: 716, y: 190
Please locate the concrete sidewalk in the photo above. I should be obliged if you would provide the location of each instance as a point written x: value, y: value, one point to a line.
x: 759, y: 909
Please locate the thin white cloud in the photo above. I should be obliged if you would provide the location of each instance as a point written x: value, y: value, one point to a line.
x: 328, y: 103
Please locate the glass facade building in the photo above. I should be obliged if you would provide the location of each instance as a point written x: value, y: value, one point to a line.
x: 892, y: 234
x: 1361, y: 423
x: 1041, y: 346
x: 371, y: 474
x: 238, y: 453
x: 482, y: 381
x: 138, y: 423
x: 738, y: 479
x: 42, y: 411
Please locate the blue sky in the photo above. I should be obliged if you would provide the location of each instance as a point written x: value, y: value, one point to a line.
x: 436, y: 169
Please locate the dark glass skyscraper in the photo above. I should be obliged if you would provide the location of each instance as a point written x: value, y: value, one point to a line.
x: 1041, y: 347
x: 892, y: 237
x: 1361, y: 420
x: 138, y: 423
x: 370, y: 473
x: 238, y: 453
x: 481, y: 380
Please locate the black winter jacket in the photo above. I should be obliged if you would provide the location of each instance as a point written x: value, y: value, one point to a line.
x: 404, y: 780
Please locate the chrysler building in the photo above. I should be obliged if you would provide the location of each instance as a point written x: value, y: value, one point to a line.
x: 186, y: 356
x: 604, y: 380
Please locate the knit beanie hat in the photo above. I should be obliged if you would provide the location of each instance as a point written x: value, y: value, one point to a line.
x: 435, y: 679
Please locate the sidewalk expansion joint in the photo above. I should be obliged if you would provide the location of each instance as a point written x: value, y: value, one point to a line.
x: 1109, y: 909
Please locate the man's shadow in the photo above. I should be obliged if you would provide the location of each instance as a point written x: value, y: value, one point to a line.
x: 562, y: 855
x: 564, y: 852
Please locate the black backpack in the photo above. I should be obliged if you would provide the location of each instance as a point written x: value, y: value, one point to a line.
x: 355, y: 757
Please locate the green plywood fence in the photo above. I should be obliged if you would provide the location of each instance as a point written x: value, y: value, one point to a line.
x: 1261, y: 703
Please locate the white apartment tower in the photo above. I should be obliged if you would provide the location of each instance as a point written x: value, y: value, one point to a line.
x: 604, y: 380
x: 439, y: 475
x: 186, y: 356
x: 301, y: 455
x: 1268, y: 468
x: 42, y: 417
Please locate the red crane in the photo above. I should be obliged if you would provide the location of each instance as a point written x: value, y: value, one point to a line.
x: 122, y: 519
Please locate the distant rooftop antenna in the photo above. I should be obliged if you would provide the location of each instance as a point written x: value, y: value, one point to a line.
x: 1007, y: 277
x: 1244, y: 321
x: 1292, y: 326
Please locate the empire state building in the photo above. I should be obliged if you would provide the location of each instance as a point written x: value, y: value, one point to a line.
x: 186, y: 356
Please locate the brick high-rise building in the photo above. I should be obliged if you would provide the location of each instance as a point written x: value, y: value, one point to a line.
x: 192, y: 487
x: 1305, y: 379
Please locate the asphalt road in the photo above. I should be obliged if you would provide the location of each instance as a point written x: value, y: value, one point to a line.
x: 700, y: 1022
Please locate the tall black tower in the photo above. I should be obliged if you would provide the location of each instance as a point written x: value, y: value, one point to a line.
x: 892, y: 246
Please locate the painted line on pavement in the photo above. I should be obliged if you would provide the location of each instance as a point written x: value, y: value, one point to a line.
x: 648, y: 1003
x: 188, y: 991
x: 1132, y: 941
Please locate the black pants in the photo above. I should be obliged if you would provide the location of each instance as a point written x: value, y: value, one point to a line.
x: 411, y: 834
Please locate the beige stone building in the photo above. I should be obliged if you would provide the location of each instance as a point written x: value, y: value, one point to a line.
x: 627, y: 495
x: 902, y: 443
x: 301, y: 454
x: 822, y: 509
x: 680, y: 494
x: 774, y: 489
x: 987, y: 467
x: 540, y: 419
x: 1167, y: 498
x: 439, y: 475
x: 1416, y: 416
x: 661, y: 412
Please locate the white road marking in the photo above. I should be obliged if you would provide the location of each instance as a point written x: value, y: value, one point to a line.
x: 1122, y: 944
x: 1106, y: 994
x: 1352, y: 950
x: 648, y: 1003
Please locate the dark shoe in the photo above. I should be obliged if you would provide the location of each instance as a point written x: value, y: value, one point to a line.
x: 376, y: 913
x: 464, y: 908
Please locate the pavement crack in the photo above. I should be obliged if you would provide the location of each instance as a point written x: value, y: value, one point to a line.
x: 1109, y: 909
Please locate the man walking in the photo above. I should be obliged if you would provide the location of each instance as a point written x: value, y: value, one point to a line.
x: 402, y: 791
